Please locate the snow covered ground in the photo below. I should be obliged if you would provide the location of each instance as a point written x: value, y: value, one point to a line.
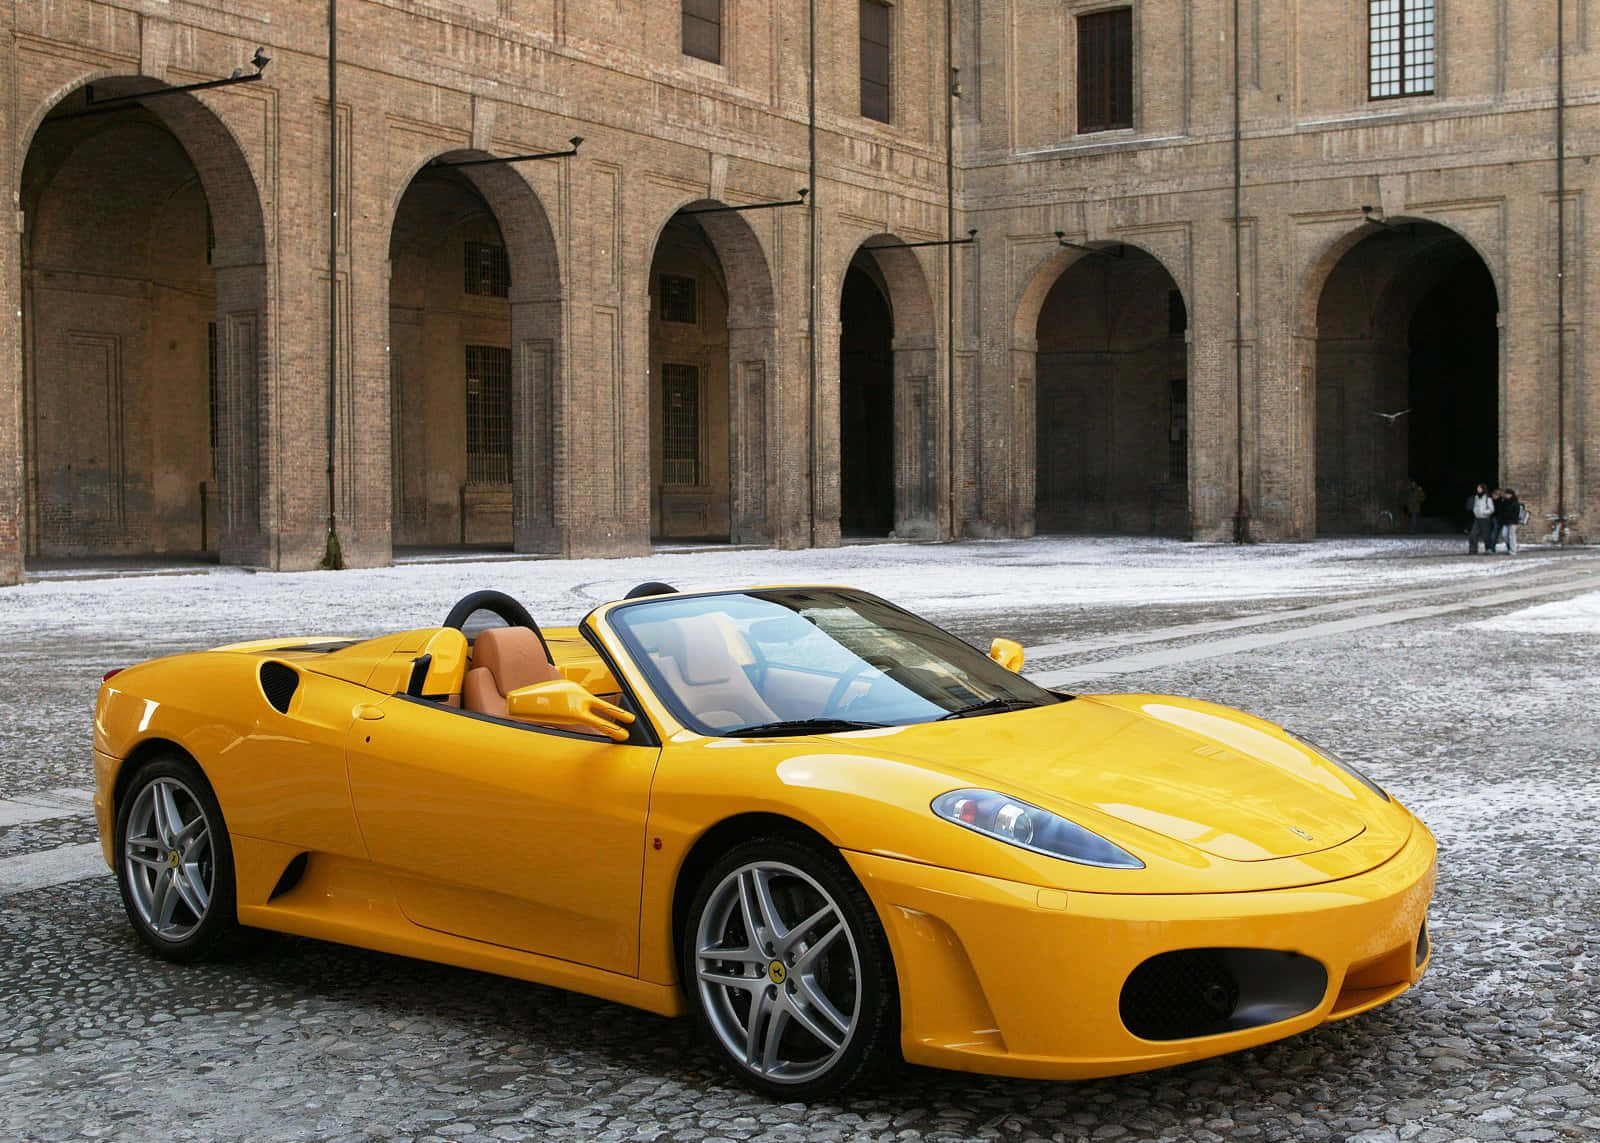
x: 1036, y: 577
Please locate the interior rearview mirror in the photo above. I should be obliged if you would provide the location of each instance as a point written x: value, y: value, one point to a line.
x: 1008, y: 653
x: 567, y: 706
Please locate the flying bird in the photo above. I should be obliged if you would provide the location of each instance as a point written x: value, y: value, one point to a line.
x: 1391, y: 417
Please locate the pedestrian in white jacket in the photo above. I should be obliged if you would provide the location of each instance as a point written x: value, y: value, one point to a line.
x: 1481, y: 505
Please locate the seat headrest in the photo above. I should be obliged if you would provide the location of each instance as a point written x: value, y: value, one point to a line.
x: 699, y: 647
x: 514, y: 656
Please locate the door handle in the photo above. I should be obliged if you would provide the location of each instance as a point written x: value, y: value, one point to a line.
x: 368, y: 712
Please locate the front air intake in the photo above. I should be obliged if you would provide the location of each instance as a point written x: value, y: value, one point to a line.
x: 279, y: 681
x: 1205, y: 992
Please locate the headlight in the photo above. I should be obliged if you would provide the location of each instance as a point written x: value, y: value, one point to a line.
x: 1028, y: 827
x: 1342, y: 764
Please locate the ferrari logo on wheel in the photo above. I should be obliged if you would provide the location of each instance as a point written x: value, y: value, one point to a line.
x: 776, y: 972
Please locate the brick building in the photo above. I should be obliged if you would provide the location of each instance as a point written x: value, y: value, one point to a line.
x: 588, y: 353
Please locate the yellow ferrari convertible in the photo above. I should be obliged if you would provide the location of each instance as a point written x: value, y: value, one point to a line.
x: 835, y: 833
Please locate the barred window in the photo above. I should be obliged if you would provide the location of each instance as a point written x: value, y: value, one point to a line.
x: 1105, y: 70
x: 488, y: 270
x: 680, y: 300
x: 1400, y: 58
x: 488, y: 414
x: 680, y: 424
x: 211, y: 388
x: 1178, y: 431
x: 702, y: 29
x: 876, y: 60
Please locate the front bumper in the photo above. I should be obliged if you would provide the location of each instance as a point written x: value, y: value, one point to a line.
x: 1012, y: 979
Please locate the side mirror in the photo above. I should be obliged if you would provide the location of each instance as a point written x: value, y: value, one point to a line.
x: 1008, y: 653
x: 567, y: 706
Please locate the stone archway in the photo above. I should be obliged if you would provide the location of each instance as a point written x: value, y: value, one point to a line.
x: 146, y: 310
x: 712, y: 359
x: 1407, y: 380
x: 1110, y: 362
x: 474, y: 334
x: 890, y: 472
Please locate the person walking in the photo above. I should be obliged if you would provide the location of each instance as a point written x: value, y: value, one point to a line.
x: 1494, y: 521
x: 1507, y: 515
x: 1481, y: 505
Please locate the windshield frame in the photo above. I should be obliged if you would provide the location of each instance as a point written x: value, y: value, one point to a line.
x: 960, y: 661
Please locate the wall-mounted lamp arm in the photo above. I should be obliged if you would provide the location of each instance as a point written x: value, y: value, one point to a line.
x: 798, y: 201
x: 576, y: 141
x: 260, y: 60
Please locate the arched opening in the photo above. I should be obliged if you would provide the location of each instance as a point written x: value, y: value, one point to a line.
x: 866, y: 403
x: 449, y: 367
x: 889, y: 414
x: 712, y: 341
x: 144, y: 310
x: 1112, y: 398
x: 474, y: 321
x: 1407, y: 382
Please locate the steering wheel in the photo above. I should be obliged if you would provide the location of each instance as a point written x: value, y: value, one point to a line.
x: 831, y: 708
x: 496, y: 603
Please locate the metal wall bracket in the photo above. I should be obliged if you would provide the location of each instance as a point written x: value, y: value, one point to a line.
x: 576, y: 141
x: 260, y: 60
x: 799, y: 201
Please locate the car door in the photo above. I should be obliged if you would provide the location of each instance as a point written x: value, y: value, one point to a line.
x: 507, y: 833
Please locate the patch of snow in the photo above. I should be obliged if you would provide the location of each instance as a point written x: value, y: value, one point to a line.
x: 1577, y: 616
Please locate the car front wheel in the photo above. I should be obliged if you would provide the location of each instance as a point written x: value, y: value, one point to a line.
x: 786, y: 965
x: 174, y: 863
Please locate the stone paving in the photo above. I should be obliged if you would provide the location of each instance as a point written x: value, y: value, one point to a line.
x: 1487, y: 734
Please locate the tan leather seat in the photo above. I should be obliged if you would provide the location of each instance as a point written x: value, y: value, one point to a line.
x: 504, y: 659
x: 702, y: 670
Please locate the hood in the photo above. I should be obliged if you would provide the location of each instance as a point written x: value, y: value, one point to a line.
x: 1206, y: 777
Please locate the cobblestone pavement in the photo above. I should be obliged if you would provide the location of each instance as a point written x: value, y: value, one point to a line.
x: 1487, y: 733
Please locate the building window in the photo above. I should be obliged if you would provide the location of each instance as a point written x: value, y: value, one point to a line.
x: 680, y: 424
x: 488, y: 270
x: 1400, y: 48
x: 1178, y: 431
x: 875, y: 60
x: 1105, y: 70
x: 702, y: 29
x: 680, y: 301
x: 211, y: 389
x: 488, y: 414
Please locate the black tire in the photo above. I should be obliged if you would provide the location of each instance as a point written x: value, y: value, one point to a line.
x: 816, y: 984
x: 162, y: 891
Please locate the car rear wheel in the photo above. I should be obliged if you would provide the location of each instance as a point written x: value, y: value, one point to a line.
x: 787, y: 968
x: 174, y: 863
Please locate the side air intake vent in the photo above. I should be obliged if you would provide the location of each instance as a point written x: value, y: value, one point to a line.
x: 278, y: 683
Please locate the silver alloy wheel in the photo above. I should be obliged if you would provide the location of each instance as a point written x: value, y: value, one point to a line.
x: 778, y: 971
x: 167, y: 859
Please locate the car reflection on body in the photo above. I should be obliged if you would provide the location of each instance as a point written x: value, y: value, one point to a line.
x: 836, y: 834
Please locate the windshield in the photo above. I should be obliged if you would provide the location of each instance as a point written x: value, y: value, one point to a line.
x: 809, y: 660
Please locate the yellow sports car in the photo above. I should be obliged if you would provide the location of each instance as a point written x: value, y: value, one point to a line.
x: 835, y: 833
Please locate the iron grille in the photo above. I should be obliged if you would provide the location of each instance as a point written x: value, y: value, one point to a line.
x: 1400, y: 43
x: 1105, y: 70
x: 680, y: 299
x: 211, y: 388
x: 702, y: 29
x: 680, y: 424
x: 875, y: 60
x: 488, y: 414
x: 488, y: 270
x: 1178, y: 431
